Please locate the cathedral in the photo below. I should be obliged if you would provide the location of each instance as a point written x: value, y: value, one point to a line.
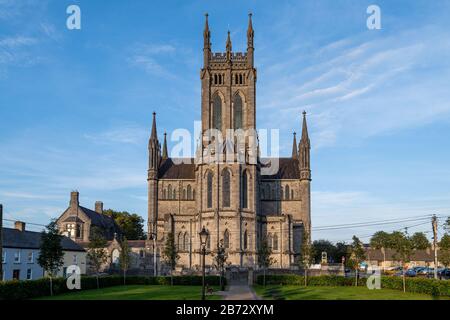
x: 226, y: 188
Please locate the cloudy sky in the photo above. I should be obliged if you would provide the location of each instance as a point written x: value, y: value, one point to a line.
x: 75, y: 105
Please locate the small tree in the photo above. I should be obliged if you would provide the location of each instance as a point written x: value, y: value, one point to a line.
x: 381, y: 241
x: 51, y: 255
x: 170, y: 254
x: 220, y: 260
x: 405, y: 246
x: 444, y: 250
x: 265, y: 259
x: 124, y: 258
x: 306, y: 255
x: 97, y: 254
x: 357, y: 255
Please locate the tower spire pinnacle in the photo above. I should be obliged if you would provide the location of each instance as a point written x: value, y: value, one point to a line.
x: 305, y: 136
x: 164, y: 151
x: 294, y: 147
x: 229, y: 47
x: 304, y: 148
x: 250, y: 32
x: 206, y: 34
x: 154, y: 134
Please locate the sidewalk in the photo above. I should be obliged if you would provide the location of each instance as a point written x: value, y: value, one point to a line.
x: 239, y: 292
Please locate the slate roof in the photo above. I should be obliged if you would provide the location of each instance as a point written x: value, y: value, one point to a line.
x: 288, y: 168
x: 13, y: 238
x: 169, y: 170
x: 101, y: 220
x: 419, y: 255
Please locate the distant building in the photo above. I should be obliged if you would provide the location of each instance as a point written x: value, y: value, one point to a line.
x: 77, y: 222
x: 21, y: 251
x: 375, y: 257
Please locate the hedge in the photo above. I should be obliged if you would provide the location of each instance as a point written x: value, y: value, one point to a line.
x: 21, y: 290
x: 417, y: 285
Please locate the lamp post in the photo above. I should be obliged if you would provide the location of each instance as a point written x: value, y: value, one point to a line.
x: 203, y: 240
x: 153, y: 237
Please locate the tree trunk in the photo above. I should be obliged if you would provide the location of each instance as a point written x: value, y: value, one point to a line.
x: 356, y: 275
x: 384, y: 260
x: 171, y: 277
x: 51, y: 286
x: 98, y: 282
x: 124, y: 276
x: 306, y: 277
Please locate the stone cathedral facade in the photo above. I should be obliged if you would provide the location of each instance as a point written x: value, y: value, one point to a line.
x: 228, y: 193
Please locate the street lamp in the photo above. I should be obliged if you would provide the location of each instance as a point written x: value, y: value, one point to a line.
x: 153, y: 237
x: 203, y: 240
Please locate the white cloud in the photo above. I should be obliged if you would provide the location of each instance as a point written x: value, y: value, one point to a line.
x: 130, y: 134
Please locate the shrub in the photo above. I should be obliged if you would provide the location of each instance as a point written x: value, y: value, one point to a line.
x: 416, y: 285
x: 21, y: 290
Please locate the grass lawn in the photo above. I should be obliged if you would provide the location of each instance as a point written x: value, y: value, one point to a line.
x: 336, y: 293
x: 137, y: 292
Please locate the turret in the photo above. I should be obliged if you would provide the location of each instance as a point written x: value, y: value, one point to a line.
x: 250, y: 37
x: 206, y: 44
x: 165, y: 154
x: 153, y: 149
x: 304, y: 148
x: 294, y: 148
x: 229, y: 47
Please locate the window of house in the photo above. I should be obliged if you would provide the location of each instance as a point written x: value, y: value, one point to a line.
x: 16, y: 274
x: 78, y: 231
x: 226, y: 188
x: 217, y: 113
x: 4, y: 257
x: 29, y: 274
x: 189, y: 192
x: 244, y: 190
x: 141, y: 253
x: 17, y: 256
x: 209, y: 189
x: 245, y: 240
x: 237, y: 112
x: 275, y: 242
x: 226, y: 239
x: 75, y: 259
x: 30, y: 257
x: 287, y: 193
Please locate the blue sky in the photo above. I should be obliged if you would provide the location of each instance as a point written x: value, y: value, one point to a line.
x: 75, y: 105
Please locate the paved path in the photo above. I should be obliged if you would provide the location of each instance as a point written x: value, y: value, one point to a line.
x: 239, y: 292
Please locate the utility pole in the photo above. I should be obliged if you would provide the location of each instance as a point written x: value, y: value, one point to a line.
x: 1, y: 242
x: 434, y: 225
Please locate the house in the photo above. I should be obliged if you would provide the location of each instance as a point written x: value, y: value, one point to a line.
x: 386, y: 258
x: 21, y: 251
x: 78, y: 222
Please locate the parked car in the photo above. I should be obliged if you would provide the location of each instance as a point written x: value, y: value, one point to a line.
x: 444, y: 274
x: 410, y: 273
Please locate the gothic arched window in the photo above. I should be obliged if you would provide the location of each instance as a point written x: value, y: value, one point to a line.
x: 186, y: 241
x: 184, y: 194
x: 275, y: 242
x: 269, y: 241
x: 226, y: 239
x: 237, y: 112
x: 226, y: 188
x: 209, y: 189
x: 287, y: 193
x: 180, y: 241
x: 245, y: 190
x: 169, y: 191
x: 245, y: 240
x: 189, y: 192
x: 217, y: 112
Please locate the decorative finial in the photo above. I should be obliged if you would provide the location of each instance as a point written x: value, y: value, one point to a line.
x: 304, y: 113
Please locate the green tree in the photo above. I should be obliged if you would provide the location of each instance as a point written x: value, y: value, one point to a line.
x: 357, y: 255
x: 322, y: 246
x: 404, y: 247
x: 124, y: 258
x: 131, y: 224
x: 306, y: 254
x: 381, y: 241
x: 265, y: 259
x: 51, y: 255
x: 170, y: 254
x: 97, y: 254
x: 444, y: 250
x: 340, y: 250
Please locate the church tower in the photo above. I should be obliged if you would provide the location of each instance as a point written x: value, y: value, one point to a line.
x: 228, y: 197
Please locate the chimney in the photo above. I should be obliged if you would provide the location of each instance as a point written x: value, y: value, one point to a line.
x: 99, y: 207
x: 19, y: 225
x: 74, y: 199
